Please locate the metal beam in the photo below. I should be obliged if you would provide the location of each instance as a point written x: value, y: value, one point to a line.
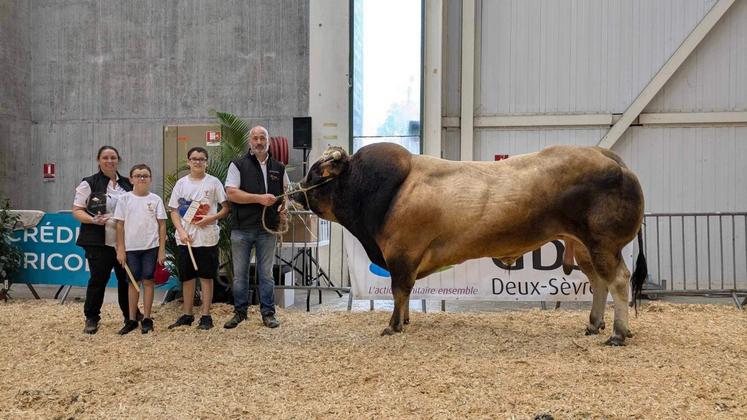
x: 450, y: 122
x: 545, y: 120
x: 731, y: 118
x: 666, y: 72
x: 700, y: 118
x: 432, y: 75
x: 468, y: 81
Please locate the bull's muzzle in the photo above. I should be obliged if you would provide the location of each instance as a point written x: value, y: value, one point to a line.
x: 299, y: 199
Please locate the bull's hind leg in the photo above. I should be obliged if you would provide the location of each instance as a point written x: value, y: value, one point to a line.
x: 598, y: 287
x: 401, y: 288
x: 612, y: 271
x: 619, y: 289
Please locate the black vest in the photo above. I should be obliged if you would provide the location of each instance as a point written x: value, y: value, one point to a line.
x: 248, y: 216
x: 91, y: 234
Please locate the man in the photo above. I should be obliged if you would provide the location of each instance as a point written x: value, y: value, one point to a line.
x: 252, y: 184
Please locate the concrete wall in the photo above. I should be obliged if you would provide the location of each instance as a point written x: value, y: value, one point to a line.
x: 15, y: 108
x: 113, y: 72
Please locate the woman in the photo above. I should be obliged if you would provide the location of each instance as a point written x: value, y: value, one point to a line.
x: 95, y: 200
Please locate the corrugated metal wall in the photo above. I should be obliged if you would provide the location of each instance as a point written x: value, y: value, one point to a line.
x: 578, y: 57
x: 575, y: 56
x: 112, y: 72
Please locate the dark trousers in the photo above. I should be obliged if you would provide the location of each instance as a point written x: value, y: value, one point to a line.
x: 101, y: 260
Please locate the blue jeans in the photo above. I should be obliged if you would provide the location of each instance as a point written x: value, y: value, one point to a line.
x: 142, y: 263
x: 241, y: 247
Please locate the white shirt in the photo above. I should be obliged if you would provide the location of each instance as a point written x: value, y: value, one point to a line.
x: 209, y: 192
x: 140, y: 216
x: 113, y: 192
x: 233, y: 178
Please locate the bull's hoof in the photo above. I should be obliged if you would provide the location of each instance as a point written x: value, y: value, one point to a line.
x: 591, y: 330
x: 615, y: 341
x: 567, y: 269
x: 407, y: 321
x: 388, y: 331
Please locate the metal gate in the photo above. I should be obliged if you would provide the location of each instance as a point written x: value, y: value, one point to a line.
x: 696, y: 254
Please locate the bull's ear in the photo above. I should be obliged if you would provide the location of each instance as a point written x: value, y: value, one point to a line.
x: 334, y: 161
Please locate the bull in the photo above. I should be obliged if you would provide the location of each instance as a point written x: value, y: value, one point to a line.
x: 415, y: 214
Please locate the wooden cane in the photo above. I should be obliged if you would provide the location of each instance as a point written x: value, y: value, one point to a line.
x: 192, y: 256
x: 132, y: 278
x: 188, y: 216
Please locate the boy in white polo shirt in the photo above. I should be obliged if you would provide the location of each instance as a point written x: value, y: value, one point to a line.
x: 141, y: 241
x: 203, y: 192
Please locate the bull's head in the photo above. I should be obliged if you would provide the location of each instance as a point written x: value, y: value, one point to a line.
x: 318, y: 183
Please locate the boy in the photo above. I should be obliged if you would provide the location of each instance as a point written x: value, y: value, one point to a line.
x: 202, y: 192
x: 141, y: 240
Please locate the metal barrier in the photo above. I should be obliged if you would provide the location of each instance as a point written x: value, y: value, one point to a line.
x: 696, y: 254
x: 313, y: 251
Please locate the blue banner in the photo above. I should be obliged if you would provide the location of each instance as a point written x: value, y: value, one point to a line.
x: 49, y: 254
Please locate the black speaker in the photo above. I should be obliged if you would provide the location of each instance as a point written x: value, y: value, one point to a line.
x: 302, y: 132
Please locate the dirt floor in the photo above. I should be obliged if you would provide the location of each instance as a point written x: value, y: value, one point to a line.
x: 685, y: 361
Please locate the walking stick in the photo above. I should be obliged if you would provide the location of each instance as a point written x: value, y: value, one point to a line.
x: 188, y: 216
x: 132, y: 278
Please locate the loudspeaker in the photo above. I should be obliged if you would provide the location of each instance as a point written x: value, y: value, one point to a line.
x: 302, y: 132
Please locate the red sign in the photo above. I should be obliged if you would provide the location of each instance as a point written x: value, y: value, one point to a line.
x: 49, y: 171
x: 212, y: 138
x: 500, y: 157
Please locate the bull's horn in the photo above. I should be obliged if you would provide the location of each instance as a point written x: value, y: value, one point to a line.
x: 336, y: 155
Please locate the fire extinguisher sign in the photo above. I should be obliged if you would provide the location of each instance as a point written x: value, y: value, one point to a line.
x: 212, y: 138
x: 49, y: 172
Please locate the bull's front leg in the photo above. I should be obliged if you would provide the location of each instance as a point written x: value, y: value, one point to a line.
x: 401, y: 289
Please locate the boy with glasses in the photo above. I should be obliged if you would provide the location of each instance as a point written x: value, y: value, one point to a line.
x: 200, y: 194
x: 141, y: 240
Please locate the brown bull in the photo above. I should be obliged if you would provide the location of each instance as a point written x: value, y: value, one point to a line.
x: 415, y: 214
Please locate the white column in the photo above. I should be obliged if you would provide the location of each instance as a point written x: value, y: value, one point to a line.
x: 432, y: 72
x: 329, y: 36
x: 468, y: 80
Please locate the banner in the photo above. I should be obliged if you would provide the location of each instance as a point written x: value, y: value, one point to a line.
x: 536, y: 276
x: 49, y: 254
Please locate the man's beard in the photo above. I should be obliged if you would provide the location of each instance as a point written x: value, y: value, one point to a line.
x: 254, y: 151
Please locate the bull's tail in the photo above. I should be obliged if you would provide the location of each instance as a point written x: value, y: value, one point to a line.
x: 638, y: 278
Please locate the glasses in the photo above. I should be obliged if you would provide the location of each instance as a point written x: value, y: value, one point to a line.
x: 198, y: 160
x: 141, y: 177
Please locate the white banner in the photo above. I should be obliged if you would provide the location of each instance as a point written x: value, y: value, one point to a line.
x: 536, y: 276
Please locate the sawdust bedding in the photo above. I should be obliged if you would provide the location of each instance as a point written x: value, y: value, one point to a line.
x: 686, y: 361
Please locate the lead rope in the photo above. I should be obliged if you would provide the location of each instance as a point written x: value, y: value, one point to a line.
x: 284, y: 225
